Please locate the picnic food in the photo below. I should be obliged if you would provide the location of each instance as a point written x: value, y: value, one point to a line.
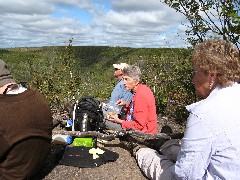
x: 95, y: 152
x: 110, y: 114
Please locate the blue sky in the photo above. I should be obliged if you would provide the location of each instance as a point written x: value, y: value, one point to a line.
x: 80, y: 15
x: 128, y: 23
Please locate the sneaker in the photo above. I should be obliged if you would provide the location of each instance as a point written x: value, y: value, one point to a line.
x: 130, y: 144
x: 166, y: 129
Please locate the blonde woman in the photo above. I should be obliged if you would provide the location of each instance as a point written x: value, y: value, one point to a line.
x: 210, y: 148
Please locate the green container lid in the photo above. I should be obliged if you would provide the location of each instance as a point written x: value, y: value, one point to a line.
x: 87, y: 142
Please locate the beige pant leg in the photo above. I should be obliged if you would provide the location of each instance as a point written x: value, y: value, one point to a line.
x: 154, y: 165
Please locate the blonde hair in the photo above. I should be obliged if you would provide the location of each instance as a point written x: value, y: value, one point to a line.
x: 218, y: 56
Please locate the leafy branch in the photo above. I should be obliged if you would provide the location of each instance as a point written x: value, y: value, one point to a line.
x: 209, y: 18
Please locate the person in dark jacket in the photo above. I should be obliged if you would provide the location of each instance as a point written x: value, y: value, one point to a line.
x: 25, y: 129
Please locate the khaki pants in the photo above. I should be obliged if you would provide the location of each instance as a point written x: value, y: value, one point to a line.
x: 157, y: 166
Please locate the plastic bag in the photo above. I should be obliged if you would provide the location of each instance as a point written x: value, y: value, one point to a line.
x: 110, y: 107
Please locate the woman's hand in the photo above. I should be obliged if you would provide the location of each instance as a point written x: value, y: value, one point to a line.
x: 114, y: 118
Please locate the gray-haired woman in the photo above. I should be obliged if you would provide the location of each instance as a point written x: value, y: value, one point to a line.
x: 141, y: 110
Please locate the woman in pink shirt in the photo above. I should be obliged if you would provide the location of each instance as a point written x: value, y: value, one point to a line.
x: 141, y: 114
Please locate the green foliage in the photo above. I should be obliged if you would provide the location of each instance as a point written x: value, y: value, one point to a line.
x: 219, y: 17
x: 65, y: 73
x: 169, y: 74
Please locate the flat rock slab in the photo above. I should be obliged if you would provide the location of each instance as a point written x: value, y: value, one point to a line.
x: 125, y: 167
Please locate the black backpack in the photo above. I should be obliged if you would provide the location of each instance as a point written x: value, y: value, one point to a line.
x: 92, y: 107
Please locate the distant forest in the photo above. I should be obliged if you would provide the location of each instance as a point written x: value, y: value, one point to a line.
x: 64, y: 73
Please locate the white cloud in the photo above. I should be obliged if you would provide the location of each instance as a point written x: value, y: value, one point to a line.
x: 127, y: 23
x: 136, y: 5
x: 25, y: 7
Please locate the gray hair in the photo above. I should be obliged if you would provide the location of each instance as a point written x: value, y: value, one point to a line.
x: 133, y: 72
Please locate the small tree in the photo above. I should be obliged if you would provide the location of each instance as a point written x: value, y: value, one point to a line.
x: 209, y: 18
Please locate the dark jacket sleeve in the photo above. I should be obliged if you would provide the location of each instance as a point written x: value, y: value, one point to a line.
x: 4, y: 146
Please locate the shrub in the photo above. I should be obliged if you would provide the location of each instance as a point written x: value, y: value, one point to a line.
x: 65, y: 73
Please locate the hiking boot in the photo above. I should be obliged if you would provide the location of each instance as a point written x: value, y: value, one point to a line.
x: 157, y: 143
x: 130, y: 144
x: 132, y: 147
x: 166, y: 129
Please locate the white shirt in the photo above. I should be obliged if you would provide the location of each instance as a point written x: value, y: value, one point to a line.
x: 17, y: 91
x: 210, y: 148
